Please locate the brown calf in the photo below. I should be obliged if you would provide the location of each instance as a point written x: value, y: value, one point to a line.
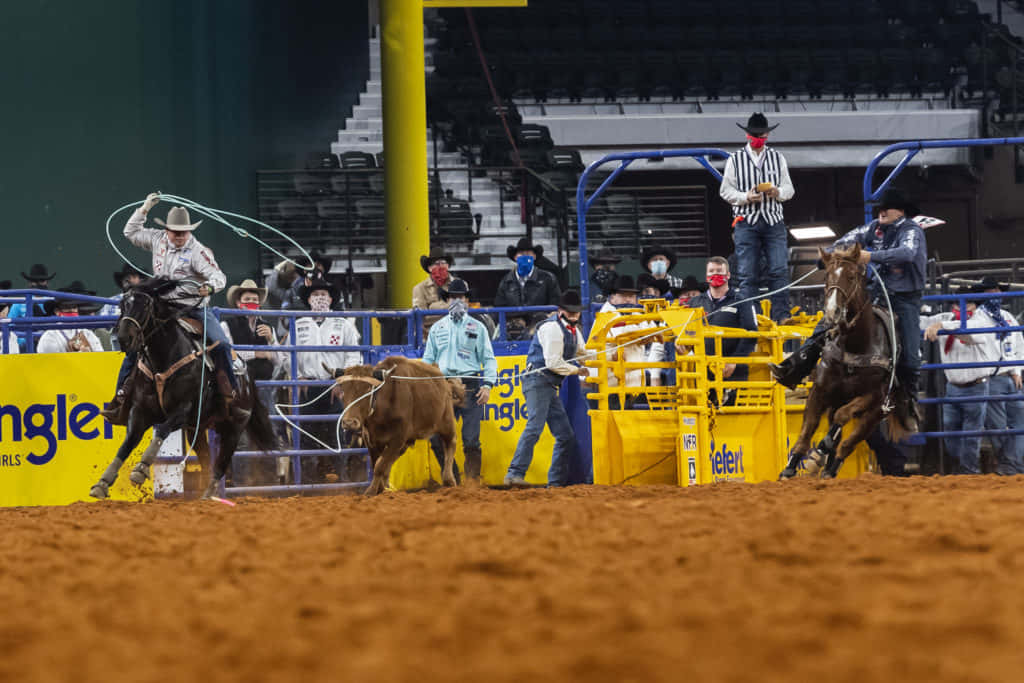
x: 393, y: 414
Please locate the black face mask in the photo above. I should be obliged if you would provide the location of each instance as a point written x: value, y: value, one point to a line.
x: 603, y: 279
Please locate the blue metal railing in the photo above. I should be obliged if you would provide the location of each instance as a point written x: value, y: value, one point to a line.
x: 912, y: 149
x: 583, y: 204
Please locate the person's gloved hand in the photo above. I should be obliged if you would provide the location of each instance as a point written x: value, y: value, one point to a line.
x: 152, y: 199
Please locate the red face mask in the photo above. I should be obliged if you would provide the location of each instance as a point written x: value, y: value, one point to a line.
x: 756, y: 142
x: 66, y: 314
x: 249, y: 306
x: 439, y: 274
x: 716, y: 280
x: 951, y: 339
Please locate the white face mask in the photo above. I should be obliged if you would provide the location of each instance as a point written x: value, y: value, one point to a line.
x: 457, y: 307
x: 320, y: 302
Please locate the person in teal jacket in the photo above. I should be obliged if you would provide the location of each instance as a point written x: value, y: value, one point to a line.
x: 460, y: 346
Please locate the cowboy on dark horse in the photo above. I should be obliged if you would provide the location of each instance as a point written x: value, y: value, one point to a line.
x: 178, y: 255
x: 895, y: 247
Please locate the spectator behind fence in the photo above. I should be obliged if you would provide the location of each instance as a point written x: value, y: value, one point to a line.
x: 624, y: 296
x: 65, y: 340
x: 603, y: 262
x: 963, y: 382
x: 1006, y: 381
x: 320, y: 295
x: 756, y: 183
x: 460, y: 346
x: 721, y: 308
x: 659, y: 262
x: 251, y: 330
x: 280, y: 295
x: 558, y: 341
x: 432, y: 293
x: 12, y: 339
x: 38, y: 277
x: 692, y: 288
x: 127, y: 277
x: 525, y: 285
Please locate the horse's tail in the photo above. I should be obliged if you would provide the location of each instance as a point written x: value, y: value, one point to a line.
x: 260, y: 429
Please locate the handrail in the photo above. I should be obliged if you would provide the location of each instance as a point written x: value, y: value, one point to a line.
x: 583, y: 204
x: 913, y: 148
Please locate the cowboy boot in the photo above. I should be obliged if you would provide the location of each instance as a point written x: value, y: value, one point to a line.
x: 118, y: 410
x: 473, y: 461
x: 800, y: 363
x: 909, y: 384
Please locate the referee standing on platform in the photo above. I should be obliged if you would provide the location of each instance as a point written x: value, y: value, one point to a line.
x: 756, y: 182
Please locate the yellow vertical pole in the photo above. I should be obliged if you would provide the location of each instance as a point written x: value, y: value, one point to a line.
x: 405, y: 145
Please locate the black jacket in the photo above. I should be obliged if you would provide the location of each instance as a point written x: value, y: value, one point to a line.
x: 540, y: 289
x: 723, y: 313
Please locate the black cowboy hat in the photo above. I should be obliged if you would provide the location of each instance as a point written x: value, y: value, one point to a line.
x: 604, y: 255
x: 319, y: 284
x: 624, y: 284
x: 436, y: 254
x: 645, y: 280
x: 125, y: 271
x: 524, y: 245
x: 894, y: 198
x: 570, y: 301
x: 989, y: 282
x: 38, y: 272
x: 691, y: 283
x: 76, y: 287
x: 458, y: 286
x: 757, y: 125
x: 651, y: 252
x: 5, y: 284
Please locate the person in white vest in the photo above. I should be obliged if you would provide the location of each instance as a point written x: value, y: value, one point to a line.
x: 756, y: 183
x: 320, y: 296
x: 66, y: 339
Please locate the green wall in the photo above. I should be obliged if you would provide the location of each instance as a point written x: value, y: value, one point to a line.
x: 105, y: 102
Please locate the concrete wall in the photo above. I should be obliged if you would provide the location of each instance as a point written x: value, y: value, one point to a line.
x: 105, y: 102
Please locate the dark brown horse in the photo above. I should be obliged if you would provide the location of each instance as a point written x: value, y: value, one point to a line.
x: 150, y: 326
x: 853, y: 377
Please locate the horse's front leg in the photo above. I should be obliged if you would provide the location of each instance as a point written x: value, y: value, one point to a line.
x: 867, y: 424
x: 137, y: 426
x: 140, y: 473
x: 815, y: 408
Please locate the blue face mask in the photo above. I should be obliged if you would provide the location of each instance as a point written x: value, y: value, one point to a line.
x: 659, y: 267
x: 524, y: 264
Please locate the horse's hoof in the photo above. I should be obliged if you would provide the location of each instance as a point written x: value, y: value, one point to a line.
x: 812, y: 462
x: 787, y: 474
x: 140, y: 474
x: 210, y: 491
x: 100, y: 490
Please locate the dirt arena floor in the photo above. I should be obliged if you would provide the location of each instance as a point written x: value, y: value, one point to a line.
x: 865, y: 580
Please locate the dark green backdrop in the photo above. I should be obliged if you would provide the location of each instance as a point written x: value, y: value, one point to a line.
x: 103, y: 102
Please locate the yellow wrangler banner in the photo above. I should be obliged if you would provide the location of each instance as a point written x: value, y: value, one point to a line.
x: 504, y: 419
x: 53, y: 443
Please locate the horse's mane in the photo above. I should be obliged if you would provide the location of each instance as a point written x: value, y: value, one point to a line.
x: 849, y: 253
x: 156, y: 286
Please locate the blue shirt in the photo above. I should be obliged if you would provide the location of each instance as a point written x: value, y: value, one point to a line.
x: 462, y: 348
x: 898, y: 252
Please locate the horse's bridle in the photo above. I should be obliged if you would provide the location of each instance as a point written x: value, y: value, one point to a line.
x: 848, y: 296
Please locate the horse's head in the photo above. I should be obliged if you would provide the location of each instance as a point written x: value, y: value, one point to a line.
x: 845, y: 293
x: 141, y: 310
x: 353, y: 388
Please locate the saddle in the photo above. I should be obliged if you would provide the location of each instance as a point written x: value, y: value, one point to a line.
x: 833, y: 353
x: 193, y: 327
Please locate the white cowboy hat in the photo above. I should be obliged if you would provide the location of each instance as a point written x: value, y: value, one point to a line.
x: 177, y: 219
x: 248, y: 285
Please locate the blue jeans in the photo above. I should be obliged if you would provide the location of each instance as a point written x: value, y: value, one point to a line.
x: 1008, y: 414
x: 544, y: 407
x: 754, y: 240
x: 471, y: 415
x: 907, y: 307
x: 964, y: 417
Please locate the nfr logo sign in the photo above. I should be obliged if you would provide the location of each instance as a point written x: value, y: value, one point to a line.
x: 727, y: 464
x: 51, y: 422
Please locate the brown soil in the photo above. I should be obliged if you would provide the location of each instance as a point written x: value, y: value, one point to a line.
x: 865, y: 580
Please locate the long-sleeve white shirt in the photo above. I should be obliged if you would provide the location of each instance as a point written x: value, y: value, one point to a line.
x: 12, y: 344
x: 56, y: 341
x: 968, y: 348
x: 633, y: 353
x: 331, y: 332
x: 192, y: 261
x: 1011, y: 347
x: 551, y: 343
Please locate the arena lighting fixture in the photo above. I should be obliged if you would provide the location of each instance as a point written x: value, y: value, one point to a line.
x: 812, y: 232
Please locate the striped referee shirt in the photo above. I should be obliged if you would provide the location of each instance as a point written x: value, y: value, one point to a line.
x: 744, y: 170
